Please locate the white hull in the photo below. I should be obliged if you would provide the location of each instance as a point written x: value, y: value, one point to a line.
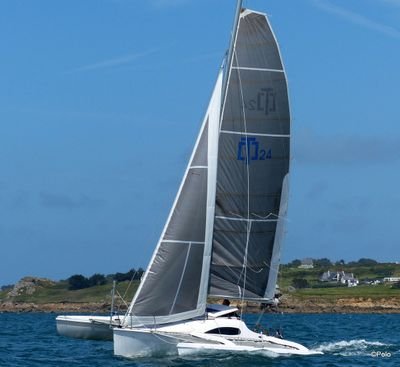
x: 131, y: 343
x: 86, y: 327
x: 200, y: 336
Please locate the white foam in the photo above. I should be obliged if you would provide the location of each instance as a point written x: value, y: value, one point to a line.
x: 350, y: 347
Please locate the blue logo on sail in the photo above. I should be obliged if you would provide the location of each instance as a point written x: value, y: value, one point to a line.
x: 249, y: 150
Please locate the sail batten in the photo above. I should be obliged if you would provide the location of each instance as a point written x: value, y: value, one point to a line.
x: 256, y: 134
x: 258, y: 69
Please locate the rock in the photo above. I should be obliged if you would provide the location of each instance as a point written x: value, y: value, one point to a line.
x: 28, y: 285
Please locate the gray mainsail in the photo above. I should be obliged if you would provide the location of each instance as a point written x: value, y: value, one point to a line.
x: 253, y: 161
x: 174, y: 286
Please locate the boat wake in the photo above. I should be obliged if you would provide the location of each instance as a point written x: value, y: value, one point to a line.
x: 357, y: 347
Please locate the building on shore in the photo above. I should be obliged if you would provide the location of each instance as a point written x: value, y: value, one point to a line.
x: 307, y: 263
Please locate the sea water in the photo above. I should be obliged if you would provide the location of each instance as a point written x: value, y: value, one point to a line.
x: 346, y: 340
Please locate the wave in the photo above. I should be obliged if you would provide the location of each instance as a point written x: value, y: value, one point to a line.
x: 351, y: 347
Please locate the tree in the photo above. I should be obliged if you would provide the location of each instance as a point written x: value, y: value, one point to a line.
x: 367, y: 262
x: 322, y: 263
x: 7, y: 287
x: 300, y: 283
x: 97, y: 279
x: 131, y: 274
x: 139, y: 274
x: 295, y: 263
x: 77, y: 281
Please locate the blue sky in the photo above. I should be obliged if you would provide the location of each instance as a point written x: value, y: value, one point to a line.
x: 101, y: 102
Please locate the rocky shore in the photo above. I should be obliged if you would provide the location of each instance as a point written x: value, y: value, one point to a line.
x: 293, y: 304
x: 289, y: 304
x: 64, y: 307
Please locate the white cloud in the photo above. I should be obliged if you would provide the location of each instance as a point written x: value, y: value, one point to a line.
x: 359, y: 19
x: 113, y: 62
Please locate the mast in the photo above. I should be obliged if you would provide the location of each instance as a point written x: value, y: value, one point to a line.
x: 230, y: 53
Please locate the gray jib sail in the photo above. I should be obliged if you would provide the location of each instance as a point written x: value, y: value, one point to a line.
x: 174, y: 286
x: 253, y: 160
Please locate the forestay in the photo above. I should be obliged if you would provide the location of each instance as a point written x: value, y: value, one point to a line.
x: 253, y: 161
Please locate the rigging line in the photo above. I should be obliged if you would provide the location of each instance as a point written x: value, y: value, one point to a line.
x: 249, y: 223
x: 132, y: 316
x: 229, y: 267
x: 260, y: 318
x: 255, y: 271
x: 267, y: 216
x: 277, y: 217
x: 122, y: 299
x: 130, y: 283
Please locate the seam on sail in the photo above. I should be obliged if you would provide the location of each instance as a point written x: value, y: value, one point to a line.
x: 180, y: 280
x: 180, y: 241
x: 255, y: 134
x: 246, y: 219
x: 257, y: 69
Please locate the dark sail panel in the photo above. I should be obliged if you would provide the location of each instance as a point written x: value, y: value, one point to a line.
x: 172, y: 281
x: 253, y: 159
x: 174, y: 286
x: 177, y: 293
x: 256, y: 46
x: 230, y: 278
x: 264, y: 105
x: 265, y: 160
x: 188, y: 220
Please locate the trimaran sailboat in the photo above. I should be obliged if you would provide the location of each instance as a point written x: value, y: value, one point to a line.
x: 224, y: 232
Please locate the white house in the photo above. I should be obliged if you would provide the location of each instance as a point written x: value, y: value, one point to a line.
x: 391, y: 279
x: 340, y: 277
x: 306, y: 264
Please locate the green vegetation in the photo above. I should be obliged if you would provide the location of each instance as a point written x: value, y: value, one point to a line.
x: 305, y: 283
x: 77, y: 288
x: 78, y: 281
x: 59, y: 293
x: 364, y: 291
x: 301, y: 283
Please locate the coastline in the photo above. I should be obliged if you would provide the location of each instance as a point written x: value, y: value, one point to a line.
x: 289, y: 304
x: 292, y: 304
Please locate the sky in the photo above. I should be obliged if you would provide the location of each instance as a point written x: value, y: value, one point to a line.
x: 101, y: 102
